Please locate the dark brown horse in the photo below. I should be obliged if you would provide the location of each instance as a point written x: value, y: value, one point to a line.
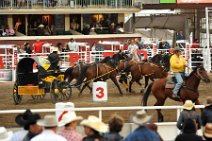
x: 108, y: 68
x: 72, y: 73
x: 188, y: 91
x: 138, y: 70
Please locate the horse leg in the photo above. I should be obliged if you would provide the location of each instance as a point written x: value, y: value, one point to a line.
x: 85, y: 85
x: 160, y: 102
x: 146, y: 81
x: 130, y: 85
x: 116, y: 83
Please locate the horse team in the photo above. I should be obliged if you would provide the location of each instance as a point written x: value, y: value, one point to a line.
x: 155, y: 69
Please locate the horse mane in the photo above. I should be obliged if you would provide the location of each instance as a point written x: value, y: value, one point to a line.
x: 194, y: 70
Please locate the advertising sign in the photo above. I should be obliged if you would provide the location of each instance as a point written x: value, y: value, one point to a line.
x: 167, y: 1
x: 194, y: 1
x: 5, y: 75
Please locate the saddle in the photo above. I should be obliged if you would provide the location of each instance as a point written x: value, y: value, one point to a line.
x: 171, y: 81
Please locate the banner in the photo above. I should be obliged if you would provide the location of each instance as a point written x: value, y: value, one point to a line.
x: 167, y: 1
x: 194, y: 1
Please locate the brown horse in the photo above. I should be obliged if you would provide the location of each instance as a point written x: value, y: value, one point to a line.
x: 108, y: 68
x: 73, y: 73
x: 138, y: 70
x: 188, y: 91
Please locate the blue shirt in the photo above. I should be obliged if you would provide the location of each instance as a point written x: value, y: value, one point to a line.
x: 143, y: 133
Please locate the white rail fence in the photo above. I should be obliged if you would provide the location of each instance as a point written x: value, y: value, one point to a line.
x: 8, y: 61
x: 167, y: 130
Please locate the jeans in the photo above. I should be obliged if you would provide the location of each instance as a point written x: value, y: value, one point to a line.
x: 179, y: 77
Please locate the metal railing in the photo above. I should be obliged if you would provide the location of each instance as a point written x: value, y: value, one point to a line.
x: 46, y: 4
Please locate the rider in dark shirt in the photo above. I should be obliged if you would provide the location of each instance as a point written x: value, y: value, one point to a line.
x: 54, y: 59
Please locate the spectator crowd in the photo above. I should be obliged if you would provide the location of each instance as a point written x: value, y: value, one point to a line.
x: 64, y: 128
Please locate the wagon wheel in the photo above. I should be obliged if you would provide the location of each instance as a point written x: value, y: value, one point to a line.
x: 53, y: 93
x: 65, y: 91
x: 17, y: 98
x: 38, y: 97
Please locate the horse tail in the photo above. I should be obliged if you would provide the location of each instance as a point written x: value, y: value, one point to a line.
x: 68, y: 72
x: 146, y: 94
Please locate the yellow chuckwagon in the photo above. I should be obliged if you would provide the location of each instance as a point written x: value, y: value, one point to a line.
x: 35, y: 78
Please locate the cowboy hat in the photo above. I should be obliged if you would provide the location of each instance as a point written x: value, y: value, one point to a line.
x: 141, y: 118
x: 5, y: 135
x: 208, y: 130
x: 54, y: 49
x: 208, y: 101
x: 95, y: 123
x: 188, y: 105
x: 176, y: 49
x: 69, y: 117
x: 48, y: 121
x: 27, y: 118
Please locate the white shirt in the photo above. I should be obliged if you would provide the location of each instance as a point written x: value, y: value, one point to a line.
x: 19, y: 135
x: 73, y: 46
x: 132, y: 48
x: 48, y: 135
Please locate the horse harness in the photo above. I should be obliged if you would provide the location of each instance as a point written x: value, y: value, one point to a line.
x: 106, y: 67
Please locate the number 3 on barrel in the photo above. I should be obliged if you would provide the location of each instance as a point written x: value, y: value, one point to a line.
x: 100, y: 92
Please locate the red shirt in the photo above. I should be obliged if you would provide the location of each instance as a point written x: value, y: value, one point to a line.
x: 37, y: 46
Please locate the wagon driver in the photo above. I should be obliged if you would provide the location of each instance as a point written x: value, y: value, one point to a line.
x: 54, y: 59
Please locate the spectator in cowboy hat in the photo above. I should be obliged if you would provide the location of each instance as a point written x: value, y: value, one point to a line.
x: 70, y: 120
x: 93, y: 127
x: 189, y: 132
x: 50, y: 127
x: 142, y: 133
x: 188, y: 113
x: 115, y: 126
x: 29, y: 122
x: 207, y: 119
x: 207, y: 112
x: 5, y: 135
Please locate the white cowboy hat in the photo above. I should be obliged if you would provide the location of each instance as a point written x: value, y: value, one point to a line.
x: 95, y: 123
x: 208, y: 101
x: 69, y: 117
x: 48, y: 121
x: 54, y: 49
x: 141, y: 118
x: 5, y: 135
x: 188, y: 105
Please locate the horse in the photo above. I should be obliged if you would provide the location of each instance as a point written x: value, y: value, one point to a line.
x: 162, y: 59
x: 138, y: 70
x: 73, y: 73
x: 188, y: 91
x: 102, y: 71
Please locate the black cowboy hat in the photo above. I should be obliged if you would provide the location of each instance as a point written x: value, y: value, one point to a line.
x: 27, y: 118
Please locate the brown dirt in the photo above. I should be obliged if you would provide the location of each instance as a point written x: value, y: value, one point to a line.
x: 114, y: 100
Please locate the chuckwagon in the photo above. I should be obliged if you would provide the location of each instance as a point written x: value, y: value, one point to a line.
x: 35, y: 78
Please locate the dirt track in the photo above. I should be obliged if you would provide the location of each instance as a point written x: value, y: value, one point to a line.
x: 114, y: 100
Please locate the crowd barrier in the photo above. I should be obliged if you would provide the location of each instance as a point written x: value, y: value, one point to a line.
x: 10, y: 58
x: 167, y: 130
